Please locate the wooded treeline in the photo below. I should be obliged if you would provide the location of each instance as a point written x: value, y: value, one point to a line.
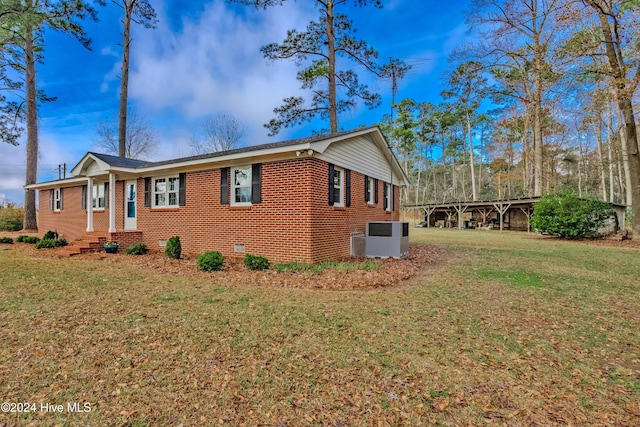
x: 534, y: 104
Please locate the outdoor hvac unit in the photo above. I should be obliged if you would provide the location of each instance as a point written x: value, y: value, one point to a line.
x: 387, y: 239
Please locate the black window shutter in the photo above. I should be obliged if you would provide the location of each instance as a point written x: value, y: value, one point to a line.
x: 147, y: 192
x: 61, y: 199
x: 366, y: 188
x: 375, y: 191
x: 182, y: 189
x: 393, y: 197
x: 331, y: 170
x: 106, y: 195
x: 256, y: 183
x: 51, y: 201
x: 347, y: 187
x: 83, y: 202
x: 385, y: 203
x: 224, y: 186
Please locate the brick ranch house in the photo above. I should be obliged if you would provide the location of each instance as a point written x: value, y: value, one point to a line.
x: 295, y: 200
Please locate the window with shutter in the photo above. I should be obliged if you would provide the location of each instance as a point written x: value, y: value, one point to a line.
x: 224, y: 186
x: 336, y: 186
x: 165, y: 192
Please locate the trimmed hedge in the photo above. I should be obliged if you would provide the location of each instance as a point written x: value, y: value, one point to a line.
x: 28, y: 239
x: 256, y: 262
x: 6, y: 240
x: 210, y: 261
x: 50, y: 243
x: 50, y: 235
x: 173, y: 248
x: 136, y: 249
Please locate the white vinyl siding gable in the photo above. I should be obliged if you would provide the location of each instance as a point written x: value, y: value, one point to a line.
x: 360, y: 154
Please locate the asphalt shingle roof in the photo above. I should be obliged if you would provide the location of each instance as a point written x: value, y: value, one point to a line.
x: 121, y: 162
x: 248, y: 149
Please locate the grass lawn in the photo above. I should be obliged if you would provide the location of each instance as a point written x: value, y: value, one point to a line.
x: 513, y: 331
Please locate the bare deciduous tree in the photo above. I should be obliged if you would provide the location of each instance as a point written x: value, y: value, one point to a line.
x: 219, y: 133
x: 141, y: 138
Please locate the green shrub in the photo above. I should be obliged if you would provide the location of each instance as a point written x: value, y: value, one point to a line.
x: 11, y: 219
x: 50, y: 243
x: 256, y: 262
x: 210, y: 261
x: 29, y: 239
x: 136, y: 249
x: 173, y: 248
x: 50, y: 235
x: 568, y: 216
x: 20, y: 238
x: 6, y: 240
x: 46, y: 243
x: 10, y: 223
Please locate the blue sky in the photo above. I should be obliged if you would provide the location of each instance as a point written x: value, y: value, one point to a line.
x: 204, y: 59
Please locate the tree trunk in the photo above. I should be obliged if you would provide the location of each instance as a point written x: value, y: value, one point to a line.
x: 32, y: 131
x: 625, y: 159
x: 537, y: 105
x: 603, y: 179
x: 419, y: 162
x: 124, y: 84
x: 473, y: 171
x: 331, y: 40
x: 610, y: 156
x: 580, y: 161
x: 623, y: 98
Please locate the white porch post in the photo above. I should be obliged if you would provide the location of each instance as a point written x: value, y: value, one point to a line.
x: 89, y: 204
x: 112, y: 202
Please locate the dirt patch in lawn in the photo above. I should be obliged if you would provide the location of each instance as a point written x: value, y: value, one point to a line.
x: 387, y: 273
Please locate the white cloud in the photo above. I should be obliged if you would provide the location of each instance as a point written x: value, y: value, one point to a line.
x: 213, y: 64
x: 54, y: 150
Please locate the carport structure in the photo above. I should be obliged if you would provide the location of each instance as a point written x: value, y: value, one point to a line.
x: 509, y: 214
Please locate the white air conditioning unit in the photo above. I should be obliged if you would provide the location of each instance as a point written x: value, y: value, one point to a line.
x: 387, y: 239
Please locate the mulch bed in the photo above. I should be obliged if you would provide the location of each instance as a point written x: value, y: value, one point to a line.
x: 391, y: 272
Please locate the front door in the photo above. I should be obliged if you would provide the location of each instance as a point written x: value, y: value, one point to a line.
x: 130, y: 205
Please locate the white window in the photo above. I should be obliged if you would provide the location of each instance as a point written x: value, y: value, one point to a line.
x: 387, y: 196
x: 338, y: 187
x: 241, y: 186
x: 98, y: 196
x: 165, y: 192
x: 371, y: 190
x: 57, y: 200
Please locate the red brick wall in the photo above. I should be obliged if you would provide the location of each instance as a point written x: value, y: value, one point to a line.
x: 293, y: 222
x: 70, y: 222
x: 125, y: 238
x: 277, y: 228
x: 333, y: 226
